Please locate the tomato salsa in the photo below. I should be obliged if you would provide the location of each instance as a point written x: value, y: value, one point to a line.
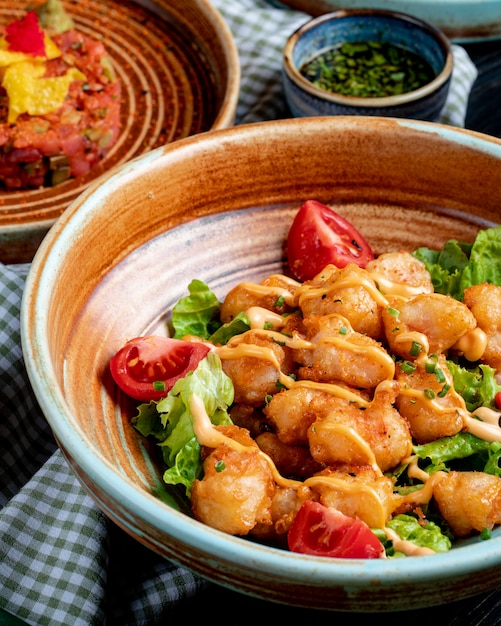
x: 59, y: 100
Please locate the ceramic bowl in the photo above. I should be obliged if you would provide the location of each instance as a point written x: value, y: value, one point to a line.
x: 180, y: 80
x: 331, y: 30
x: 463, y: 21
x: 217, y: 207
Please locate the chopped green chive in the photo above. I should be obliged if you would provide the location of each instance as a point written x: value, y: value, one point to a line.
x: 431, y: 363
x: 429, y: 393
x: 159, y: 385
x: 368, y: 69
x: 415, y: 348
x: 443, y: 392
x: 393, y: 311
x: 439, y: 375
x: 219, y: 466
x: 408, y: 367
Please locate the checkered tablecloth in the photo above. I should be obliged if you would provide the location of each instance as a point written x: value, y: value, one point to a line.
x: 61, y: 561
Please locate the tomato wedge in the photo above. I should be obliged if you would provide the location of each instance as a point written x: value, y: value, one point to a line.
x: 497, y: 400
x: 147, y: 368
x: 322, y: 531
x: 318, y: 237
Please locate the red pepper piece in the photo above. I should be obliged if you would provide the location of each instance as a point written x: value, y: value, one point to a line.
x: 26, y: 35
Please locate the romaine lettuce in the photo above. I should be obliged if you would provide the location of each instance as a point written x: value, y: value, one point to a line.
x: 461, y: 451
x: 427, y: 535
x: 484, y: 265
x: 196, y: 313
x: 477, y: 385
x: 459, y: 265
x: 452, y: 269
x: 170, y: 420
x: 238, y: 325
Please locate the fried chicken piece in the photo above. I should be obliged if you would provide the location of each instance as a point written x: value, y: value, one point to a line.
x: 441, y: 320
x: 292, y: 411
x: 291, y: 461
x: 484, y: 301
x: 356, y: 491
x: 236, y: 491
x: 348, y: 292
x: 400, y: 271
x: 338, y: 353
x: 357, y: 435
x: 434, y: 418
x: 265, y: 295
x: 254, y: 375
x: 468, y: 501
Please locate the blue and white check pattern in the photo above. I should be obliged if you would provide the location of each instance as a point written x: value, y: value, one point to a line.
x: 61, y: 561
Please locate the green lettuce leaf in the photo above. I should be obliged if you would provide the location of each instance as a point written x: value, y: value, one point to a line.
x: 389, y: 548
x: 462, y: 451
x: 238, y: 325
x: 459, y: 265
x: 196, y: 313
x: 443, y: 450
x: 170, y: 421
x: 186, y: 468
x: 430, y: 536
x: 477, y: 385
x: 485, y: 259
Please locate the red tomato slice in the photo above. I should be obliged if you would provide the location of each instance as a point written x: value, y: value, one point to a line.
x: 322, y: 531
x: 497, y: 400
x: 318, y: 237
x: 147, y: 368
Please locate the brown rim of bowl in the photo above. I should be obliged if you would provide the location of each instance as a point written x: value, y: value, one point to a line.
x: 388, y: 101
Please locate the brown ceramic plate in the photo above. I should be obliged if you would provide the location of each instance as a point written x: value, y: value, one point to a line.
x: 179, y: 69
x: 402, y: 183
x: 460, y: 20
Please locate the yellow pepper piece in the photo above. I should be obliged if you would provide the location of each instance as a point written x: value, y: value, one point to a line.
x: 7, y: 57
x: 29, y: 93
x: 51, y: 50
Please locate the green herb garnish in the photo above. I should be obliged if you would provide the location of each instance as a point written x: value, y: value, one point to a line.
x: 368, y: 69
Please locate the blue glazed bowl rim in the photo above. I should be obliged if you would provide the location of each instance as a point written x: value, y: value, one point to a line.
x: 294, y: 75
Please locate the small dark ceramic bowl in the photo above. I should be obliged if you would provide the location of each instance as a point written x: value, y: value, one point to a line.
x: 399, y: 29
